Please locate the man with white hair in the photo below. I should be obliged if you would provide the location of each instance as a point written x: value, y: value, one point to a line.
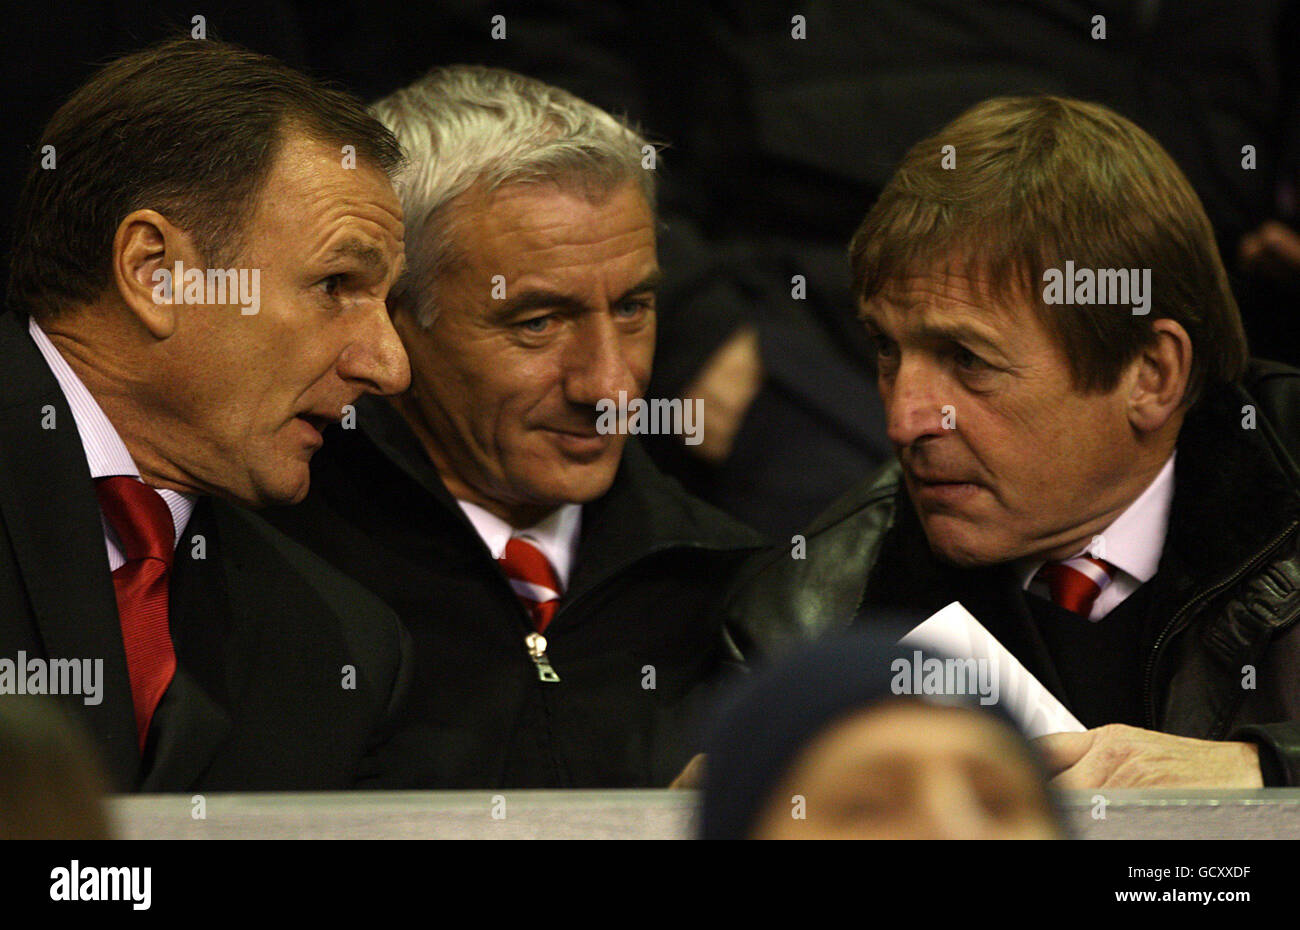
x: 562, y: 594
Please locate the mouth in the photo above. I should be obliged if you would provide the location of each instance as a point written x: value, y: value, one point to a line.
x: 940, y: 489
x: 581, y: 444
x: 314, y: 426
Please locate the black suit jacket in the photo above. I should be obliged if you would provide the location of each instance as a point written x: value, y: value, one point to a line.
x: 264, y: 631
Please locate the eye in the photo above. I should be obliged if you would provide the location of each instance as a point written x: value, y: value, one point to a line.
x: 968, y: 360
x: 885, y: 348
x: 632, y: 309
x: 331, y: 284
x: 536, y: 325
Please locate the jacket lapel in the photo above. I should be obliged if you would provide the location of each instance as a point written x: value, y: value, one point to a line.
x: 191, y: 722
x: 49, y: 506
x: 646, y: 512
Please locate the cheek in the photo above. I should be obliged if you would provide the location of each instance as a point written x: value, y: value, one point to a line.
x: 641, y: 358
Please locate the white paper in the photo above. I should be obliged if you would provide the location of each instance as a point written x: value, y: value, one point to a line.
x: 954, y: 632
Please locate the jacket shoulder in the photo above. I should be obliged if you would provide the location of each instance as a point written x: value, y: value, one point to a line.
x: 790, y: 594
x: 1276, y: 388
x: 263, y: 554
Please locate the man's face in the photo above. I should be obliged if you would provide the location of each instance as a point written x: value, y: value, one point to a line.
x: 1002, y: 457
x: 250, y: 394
x: 506, y: 381
x: 906, y: 770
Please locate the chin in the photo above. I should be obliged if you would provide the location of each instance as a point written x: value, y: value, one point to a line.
x: 963, y: 545
x: 289, y: 486
x: 578, y: 485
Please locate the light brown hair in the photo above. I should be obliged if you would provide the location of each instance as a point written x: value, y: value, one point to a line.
x: 1041, y: 180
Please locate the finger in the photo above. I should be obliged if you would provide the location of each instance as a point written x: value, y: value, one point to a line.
x: 692, y: 776
x: 1060, y: 751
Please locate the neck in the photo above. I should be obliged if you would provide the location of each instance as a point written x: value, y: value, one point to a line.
x: 1079, y: 539
x: 111, y: 374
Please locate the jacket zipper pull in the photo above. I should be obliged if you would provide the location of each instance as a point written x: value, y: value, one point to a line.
x: 536, y: 644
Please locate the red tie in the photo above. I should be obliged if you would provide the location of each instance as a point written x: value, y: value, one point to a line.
x: 140, y: 517
x: 1076, y: 583
x: 533, y: 579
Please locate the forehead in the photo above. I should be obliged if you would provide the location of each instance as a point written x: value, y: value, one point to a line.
x: 544, y: 227
x: 904, y: 729
x: 949, y: 294
x: 311, y: 198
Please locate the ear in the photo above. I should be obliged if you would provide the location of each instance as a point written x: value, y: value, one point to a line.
x: 146, y: 249
x: 1159, y: 377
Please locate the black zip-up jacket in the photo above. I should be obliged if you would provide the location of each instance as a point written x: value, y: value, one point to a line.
x: 1221, y: 642
x: 636, y: 643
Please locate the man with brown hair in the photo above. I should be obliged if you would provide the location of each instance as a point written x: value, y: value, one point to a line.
x: 1086, y: 457
x: 204, y: 247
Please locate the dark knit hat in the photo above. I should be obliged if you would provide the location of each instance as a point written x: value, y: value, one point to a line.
x: 760, y: 728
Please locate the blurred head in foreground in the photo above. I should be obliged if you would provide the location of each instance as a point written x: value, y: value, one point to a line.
x: 821, y: 747
x: 50, y: 784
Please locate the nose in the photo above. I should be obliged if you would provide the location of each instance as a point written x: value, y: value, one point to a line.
x: 948, y: 807
x: 596, y: 364
x: 376, y: 358
x: 912, y: 402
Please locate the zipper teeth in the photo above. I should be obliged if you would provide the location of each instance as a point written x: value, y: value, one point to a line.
x: 1200, y: 599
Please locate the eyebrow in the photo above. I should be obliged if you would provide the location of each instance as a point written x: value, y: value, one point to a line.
x: 537, y: 298
x: 953, y: 332
x: 370, y: 256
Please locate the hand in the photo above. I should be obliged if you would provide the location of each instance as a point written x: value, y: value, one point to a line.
x: 728, y: 384
x: 1118, y: 756
x: 692, y: 776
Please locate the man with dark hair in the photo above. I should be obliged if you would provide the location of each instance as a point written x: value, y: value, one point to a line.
x: 204, y: 248
x: 1087, y: 457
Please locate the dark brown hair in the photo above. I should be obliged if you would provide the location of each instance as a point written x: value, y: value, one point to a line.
x: 187, y: 127
x: 1041, y: 180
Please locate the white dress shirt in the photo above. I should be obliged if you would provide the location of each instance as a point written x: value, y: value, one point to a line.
x: 556, y: 535
x: 1132, y: 543
x: 106, y: 454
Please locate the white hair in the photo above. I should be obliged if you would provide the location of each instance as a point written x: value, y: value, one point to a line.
x: 467, y: 126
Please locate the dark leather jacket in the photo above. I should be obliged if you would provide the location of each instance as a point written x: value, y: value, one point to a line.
x: 1223, y: 651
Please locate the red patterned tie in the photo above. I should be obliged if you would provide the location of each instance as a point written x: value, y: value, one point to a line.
x: 1076, y: 583
x: 533, y: 579
x: 140, y: 517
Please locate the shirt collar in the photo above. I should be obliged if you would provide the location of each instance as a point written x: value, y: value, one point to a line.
x: 1135, y: 539
x: 556, y: 535
x: 106, y: 453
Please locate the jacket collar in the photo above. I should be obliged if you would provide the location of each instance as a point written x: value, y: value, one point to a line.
x: 1235, y: 489
x: 644, y: 511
